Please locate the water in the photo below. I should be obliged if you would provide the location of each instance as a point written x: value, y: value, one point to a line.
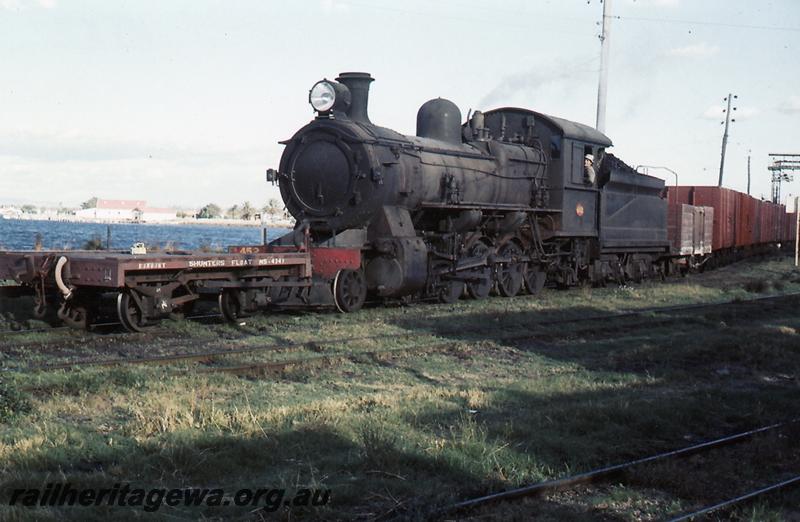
x: 16, y: 234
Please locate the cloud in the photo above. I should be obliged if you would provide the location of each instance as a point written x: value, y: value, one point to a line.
x: 790, y: 106
x: 70, y: 165
x: 19, y: 5
x: 163, y: 182
x: 72, y: 145
x: 700, y: 50
x: 330, y: 6
x: 656, y: 3
x: 715, y: 112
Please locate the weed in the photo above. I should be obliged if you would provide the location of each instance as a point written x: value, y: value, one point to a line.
x: 12, y: 401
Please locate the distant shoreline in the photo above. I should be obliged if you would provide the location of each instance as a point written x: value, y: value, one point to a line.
x: 187, y: 221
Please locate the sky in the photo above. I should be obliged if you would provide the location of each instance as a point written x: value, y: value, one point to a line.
x: 183, y: 103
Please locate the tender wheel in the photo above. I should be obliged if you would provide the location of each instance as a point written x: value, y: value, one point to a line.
x: 129, y: 313
x: 450, y: 290
x: 510, y: 274
x: 535, y: 278
x: 230, y: 307
x: 597, y: 274
x: 349, y: 290
x: 480, y: 289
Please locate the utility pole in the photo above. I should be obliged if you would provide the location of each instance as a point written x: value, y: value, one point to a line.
x: 602, y: 86
x: 727, y: 123
x: 748, y: 172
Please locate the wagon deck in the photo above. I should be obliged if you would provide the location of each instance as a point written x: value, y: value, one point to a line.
x: 113, y: 269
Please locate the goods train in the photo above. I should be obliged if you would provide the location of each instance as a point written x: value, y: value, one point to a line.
x: 504, y: 202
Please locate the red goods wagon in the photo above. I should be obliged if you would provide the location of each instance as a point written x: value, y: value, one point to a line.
x: 769, y: 219
x: 781, y: 225
x: 746, y: 212
x: 785, y: 227
x: 791, y: 227
x: 758, y: 212
x: 724, y: 203
x: 679, y: 195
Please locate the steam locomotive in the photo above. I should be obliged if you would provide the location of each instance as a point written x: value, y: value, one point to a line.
x: 504, y: 202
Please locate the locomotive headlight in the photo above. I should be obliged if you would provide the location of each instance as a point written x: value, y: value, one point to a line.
x: 322, y: 96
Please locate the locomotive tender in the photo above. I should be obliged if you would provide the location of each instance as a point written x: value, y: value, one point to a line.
x: 503, y: 201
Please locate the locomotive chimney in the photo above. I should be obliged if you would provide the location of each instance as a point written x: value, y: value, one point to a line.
x: 358, y: 83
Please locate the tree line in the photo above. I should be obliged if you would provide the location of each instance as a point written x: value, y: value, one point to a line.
x: 245, y: 210
x: 240, y: 211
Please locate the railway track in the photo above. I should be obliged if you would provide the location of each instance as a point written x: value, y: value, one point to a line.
x: 738, y: 499
x: 530, y: 331
x: 607, y: 472
x: 95, y: 326
x: 625, y: 313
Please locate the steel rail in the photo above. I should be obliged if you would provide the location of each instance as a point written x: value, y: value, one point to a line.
x: 295, y: 345
x: 736, y: 500
x: 590, y: 476
x: 275, y: 347
x: 91, y: 326
x: 282, y: 365
x: 600, y: 317
x: 165, y: 359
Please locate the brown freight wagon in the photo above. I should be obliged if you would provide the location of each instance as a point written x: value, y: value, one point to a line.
x: 690, y: 229
x: 747, y: 212
x: 780, y: 221
x: 758, y: 205
x: 724, y: 203
x: 790, y: 227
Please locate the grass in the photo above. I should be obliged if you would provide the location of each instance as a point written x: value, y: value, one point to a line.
x: 400, y: 435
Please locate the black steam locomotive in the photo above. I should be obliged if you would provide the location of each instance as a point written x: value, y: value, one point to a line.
x: 510, y: 200
x: 506, y: 201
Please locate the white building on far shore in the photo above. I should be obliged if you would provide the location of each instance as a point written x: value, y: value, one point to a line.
x: 10, y: 213
x: 125, y: 210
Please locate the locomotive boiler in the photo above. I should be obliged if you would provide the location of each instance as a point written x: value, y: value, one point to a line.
x: 496, y: 203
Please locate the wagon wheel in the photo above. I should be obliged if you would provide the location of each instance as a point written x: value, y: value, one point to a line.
x: 186, y: 309
x: 230, y: 306
x: 45, y: 312
x: 480, y: 289
x: 74, y: 316
x: 40, y: 308
x: 349, y: 290
x: 510, y: 275
x: 535, y: 278
x: 449, y: 290
x: 129, y: 313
